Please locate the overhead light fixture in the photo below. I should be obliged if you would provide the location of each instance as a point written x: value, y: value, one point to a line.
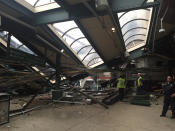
x: 149, y: 1
x: 161, y: 26
x: 113, y: 29
x: 161, y: 20
x: 143, y: 49
x: 62, y: 50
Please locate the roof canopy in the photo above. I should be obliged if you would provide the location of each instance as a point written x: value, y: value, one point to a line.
x: 135, y: 27
x: 76, y: 30
x: 79, y: 44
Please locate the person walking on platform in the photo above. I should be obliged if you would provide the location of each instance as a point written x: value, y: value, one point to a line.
x: 169, y: 97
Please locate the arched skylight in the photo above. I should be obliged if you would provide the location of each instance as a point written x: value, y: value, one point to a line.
x: 135, y: 27
x: 36, y: 3
x: 76, y: 40
x: 39, y: 5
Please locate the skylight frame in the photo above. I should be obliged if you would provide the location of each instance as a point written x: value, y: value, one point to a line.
x: 85, y: 51
x: 15, y: 43
x: 133, y: 29
x: 37, y: 3
x: 30, y: 4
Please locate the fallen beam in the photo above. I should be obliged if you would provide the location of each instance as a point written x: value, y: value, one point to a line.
x: 90, y: 97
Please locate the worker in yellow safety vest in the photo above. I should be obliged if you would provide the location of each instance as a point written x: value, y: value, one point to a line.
x: 139, y: 84
x: 121, y: 87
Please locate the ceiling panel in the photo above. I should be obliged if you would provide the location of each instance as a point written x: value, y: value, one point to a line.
x: 107, y: 42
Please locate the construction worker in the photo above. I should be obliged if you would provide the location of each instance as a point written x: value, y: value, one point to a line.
x: 169, y: 97
x: 139, y: 84
x: 121, y: 87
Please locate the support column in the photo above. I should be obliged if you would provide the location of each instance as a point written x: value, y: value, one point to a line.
x: 57, y: 93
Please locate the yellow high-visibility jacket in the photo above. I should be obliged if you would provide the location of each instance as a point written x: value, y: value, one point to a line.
x: 121, y: 83
x: 139, y: 82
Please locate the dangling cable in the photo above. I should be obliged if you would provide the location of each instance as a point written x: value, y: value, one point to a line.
x: 162, y: 18
x: 166, y: 11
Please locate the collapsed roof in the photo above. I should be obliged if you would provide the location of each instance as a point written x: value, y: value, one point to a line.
x: 81, y: 35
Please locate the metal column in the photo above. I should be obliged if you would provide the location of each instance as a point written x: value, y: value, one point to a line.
x: 57, y: 93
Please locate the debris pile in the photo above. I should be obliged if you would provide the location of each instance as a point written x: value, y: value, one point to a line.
x: 141, y: 100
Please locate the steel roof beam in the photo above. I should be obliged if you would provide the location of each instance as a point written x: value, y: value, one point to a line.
x: 65, y: 14
x: 127, y: 5
x: 17, y: 7
x: 70, y: 12
x: 152, y: 31
x: 89, y: 39
x: 51, y: 16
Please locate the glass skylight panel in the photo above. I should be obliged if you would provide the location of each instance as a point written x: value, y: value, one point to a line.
x: 90, y: 57
x: 136, y: 14
x: 134, y: 31
x: 73, y: 35
x: 76, y: 40
x: 44, y: 2
x: 15, y: 43
x: 32, y: 2
x: 135, y: 26
x: 39, y: 2
x: 78, y: 45
x: 84, y: 53
x: 39, y: 5
x: 135, y: 38
x: 64, y: 26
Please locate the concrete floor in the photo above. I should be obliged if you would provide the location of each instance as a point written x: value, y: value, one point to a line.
x: 120, y: 117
